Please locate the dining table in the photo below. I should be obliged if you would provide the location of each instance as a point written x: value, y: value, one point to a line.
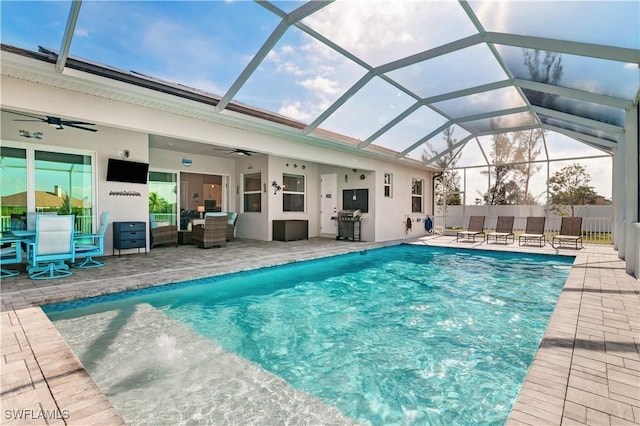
x: 22, y: 233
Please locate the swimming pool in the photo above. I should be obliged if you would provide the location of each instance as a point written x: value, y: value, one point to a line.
x: 399, y: 335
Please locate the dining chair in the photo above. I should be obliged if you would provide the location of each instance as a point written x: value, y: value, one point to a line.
x: 10, y: 254
x: 52, y: 245
x: 89, y: 245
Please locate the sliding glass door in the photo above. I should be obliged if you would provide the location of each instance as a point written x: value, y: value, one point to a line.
x: 46, y: 179
x: 163, y: 196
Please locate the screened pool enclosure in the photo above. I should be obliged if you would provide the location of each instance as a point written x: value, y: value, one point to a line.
x: 499, y: 97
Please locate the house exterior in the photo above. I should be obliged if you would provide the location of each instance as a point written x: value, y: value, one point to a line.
x: 173, y: 131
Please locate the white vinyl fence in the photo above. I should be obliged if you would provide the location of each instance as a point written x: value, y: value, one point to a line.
x: 597, y: 221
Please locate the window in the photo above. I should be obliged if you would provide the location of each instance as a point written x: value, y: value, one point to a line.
x: 388, y: 182
x: 252, y: 194
x: 163, y: 197
x: 416, y: 195
x: 13, y: 187
x: 64, y: 185
x: 292, y: 193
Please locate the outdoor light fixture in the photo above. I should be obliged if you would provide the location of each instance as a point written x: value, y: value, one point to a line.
x: 28, y: 134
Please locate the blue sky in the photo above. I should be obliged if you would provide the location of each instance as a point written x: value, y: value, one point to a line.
x: 206, y: 45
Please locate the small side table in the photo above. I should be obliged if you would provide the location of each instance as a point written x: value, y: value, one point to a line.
x: 184, y: 237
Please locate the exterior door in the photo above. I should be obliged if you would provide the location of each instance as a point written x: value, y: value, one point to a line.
x: 328, y: 203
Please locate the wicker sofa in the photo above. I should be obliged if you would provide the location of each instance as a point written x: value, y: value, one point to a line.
x: 213, y: 233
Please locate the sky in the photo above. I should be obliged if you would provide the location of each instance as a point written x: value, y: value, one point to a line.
x: 206, y: 45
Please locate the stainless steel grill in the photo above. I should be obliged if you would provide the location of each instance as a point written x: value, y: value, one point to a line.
x: 349, y: 222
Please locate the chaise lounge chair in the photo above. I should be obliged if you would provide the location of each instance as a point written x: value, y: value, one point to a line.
x: 534, y: 231
x: 570, y: 231
x: 504, y: 230
x: 475, y: 228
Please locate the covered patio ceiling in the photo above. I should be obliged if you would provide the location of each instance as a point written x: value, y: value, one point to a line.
x: 370, y: 74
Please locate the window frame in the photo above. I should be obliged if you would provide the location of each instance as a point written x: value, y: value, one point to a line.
x: 251, y: 192
x: 388, y: 185
x: 286, y: 193
x: 415, y: 196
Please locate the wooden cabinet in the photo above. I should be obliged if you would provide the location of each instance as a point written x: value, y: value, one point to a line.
x: 128, y: 235
x: 289, y: 230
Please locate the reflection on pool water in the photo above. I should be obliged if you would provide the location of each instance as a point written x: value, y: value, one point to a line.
x: 400, y: 335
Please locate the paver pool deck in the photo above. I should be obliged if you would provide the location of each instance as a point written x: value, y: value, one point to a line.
x: 586, y: 370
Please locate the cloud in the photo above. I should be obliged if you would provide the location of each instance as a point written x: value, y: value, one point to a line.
x: 321, y: 85
x: 379, y: 32
x: 81, y: 32
x: 288, y: 50
x: 296, y: 111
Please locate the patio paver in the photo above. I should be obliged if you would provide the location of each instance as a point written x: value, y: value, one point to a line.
x: 586, y: 371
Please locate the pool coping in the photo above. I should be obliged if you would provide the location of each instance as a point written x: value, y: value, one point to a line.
x: 586, y: 370
x: 587, y: 367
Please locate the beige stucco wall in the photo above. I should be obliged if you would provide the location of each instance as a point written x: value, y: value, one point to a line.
x: 126, y: 126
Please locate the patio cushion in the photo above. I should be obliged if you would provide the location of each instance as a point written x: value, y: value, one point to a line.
x: 152, y: 221
x: 231, y: 218
x: 215, y: 214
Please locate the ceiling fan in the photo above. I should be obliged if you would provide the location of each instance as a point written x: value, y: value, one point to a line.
x: 236, y: 151
x: 58, y: 122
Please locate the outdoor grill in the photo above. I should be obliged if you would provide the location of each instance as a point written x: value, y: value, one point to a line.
x: 349, y: 222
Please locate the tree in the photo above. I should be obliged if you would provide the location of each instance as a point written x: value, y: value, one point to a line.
x: 158, y: 204
x: 447, y: 183
x: 568, y: 187
x: 528, y: 148
x: 65, y: 208
x: 547, y: 70
x: 505, y: 189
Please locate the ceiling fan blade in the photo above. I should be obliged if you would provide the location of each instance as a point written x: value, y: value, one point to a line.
x: 73, y: 123
x: 22, y: 119
x: 78, y: 127
x: 26, y: 115
x: 235, y: 151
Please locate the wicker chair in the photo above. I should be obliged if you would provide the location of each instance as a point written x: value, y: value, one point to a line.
x: 213, y: 233
x: 232, y: 217
x: 167, y: 234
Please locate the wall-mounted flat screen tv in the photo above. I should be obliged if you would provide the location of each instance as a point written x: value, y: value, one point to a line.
x: 127, y: 171
x: 355, y: 199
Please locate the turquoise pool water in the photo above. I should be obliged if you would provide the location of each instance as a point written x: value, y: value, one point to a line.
x: 399, y: 335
